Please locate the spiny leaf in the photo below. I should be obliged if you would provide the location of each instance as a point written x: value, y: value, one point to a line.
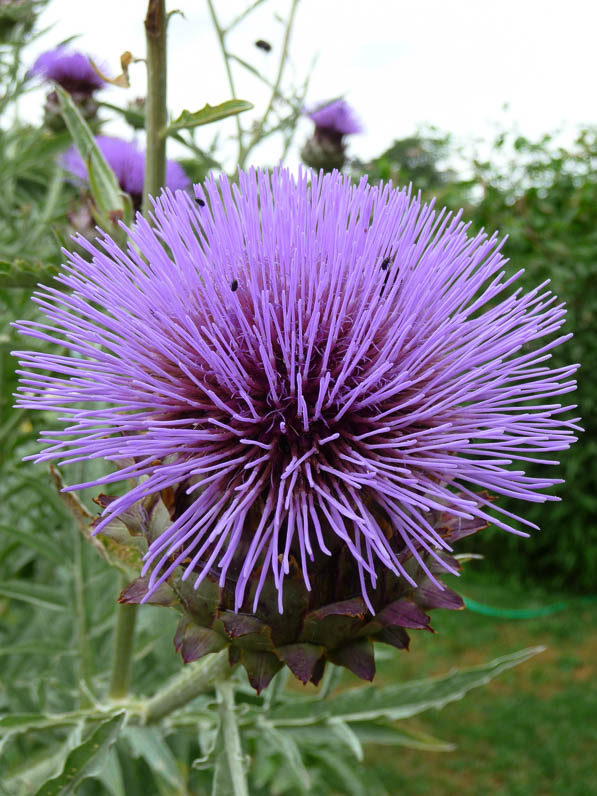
x: 40, y: 544
x: 103, y: 183
x: 389, y: 735
x: 290, y: 751
x: 34, y: 593
x: 25, y: 273
x: 84, y: 759
x: 24, y: 722
x: 149, y: 743
x: 398, y: 701
x: 207, y: 115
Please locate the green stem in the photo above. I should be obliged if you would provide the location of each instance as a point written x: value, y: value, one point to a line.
x: 156, y: 117
x: 233, y: 750
x: 124, y: 642
x: 84, y: 656
x: 189, y: 683
x: 220, y: 33
x: 156, y: 113
x: 257, y: 134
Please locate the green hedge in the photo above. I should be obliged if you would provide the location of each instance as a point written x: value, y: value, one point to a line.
x: 544, y: 197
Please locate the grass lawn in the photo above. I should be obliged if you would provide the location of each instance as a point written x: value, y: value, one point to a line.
x: 532, y: 731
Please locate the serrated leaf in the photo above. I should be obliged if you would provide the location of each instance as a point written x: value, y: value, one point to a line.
x: 398, y: 701
x: 46, y: 648
x: 83, y: 760
x: 388, y: 735
x: 286, y: 745
x: 34, y: 593
x: 149, y: 743
x: 25, y: 273
x: 347, y: 736
x: 230, y: 764
x: 110, y: 774
x: 40, y: 544
x: 349, y: 776
x: 24, y: 722
x: 207, y: 115
x: 102, y: 180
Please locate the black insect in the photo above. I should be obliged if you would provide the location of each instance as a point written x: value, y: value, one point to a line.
x: 263, y: 45
x: 234, y: 286
x: 200, y: 202
x: 385, y: 266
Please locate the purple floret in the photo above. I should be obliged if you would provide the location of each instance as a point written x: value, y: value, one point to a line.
x: 71, y: 70
x: 336, y: 117
x: 313, y: 366
x: 127, y: 162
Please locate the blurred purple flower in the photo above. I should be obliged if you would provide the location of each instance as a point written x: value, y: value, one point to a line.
x: 326, y: 148
x: 337, y: 118
x: 313, y: 367
x: 128, y: 164
x: 71, y: 70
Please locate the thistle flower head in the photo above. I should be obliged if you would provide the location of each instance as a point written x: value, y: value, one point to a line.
x: 326, y: 148
x: 336, y: 117
x: 128, y: 164
x: 71, y: 70
x: 312, y: 371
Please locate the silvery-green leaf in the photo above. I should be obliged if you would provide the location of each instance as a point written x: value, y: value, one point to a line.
x: 82, y: 761
x: 398, y: 701
x: 25, y: 722
x: 208, y: 114
x: 286, y: 745
x: 102, y: 180
x: 398, y: 735
x: 346, y: 735
x: 149, y: 743
x: 36, y: 542
x: 35, y: 593
x: 110, y: 774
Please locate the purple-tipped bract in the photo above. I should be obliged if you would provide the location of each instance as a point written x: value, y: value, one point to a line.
x: 71, y: 70
x: 311, y: 366
x: 127, y: 162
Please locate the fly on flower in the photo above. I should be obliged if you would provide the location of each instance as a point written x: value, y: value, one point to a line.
x: 311, y: 430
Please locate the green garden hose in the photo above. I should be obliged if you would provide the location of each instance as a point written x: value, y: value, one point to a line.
x: 525, y: 613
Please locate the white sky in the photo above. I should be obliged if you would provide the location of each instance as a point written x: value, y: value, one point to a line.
x: 399, y: 64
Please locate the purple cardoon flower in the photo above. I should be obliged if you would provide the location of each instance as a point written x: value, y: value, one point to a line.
x: 311, y: 369
x: 71, y: 70
x: 335, y: 118
x: 326, y: 149
x: 128, y: 164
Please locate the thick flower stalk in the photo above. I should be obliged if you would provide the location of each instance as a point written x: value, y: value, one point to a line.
x: 127, y: 162
x: 326, y: 149
x: 322, y: 385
